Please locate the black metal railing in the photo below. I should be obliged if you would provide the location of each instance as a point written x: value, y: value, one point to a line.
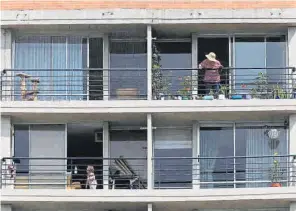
x: 74, y: 84
x: 231, y: 83
x: 71, y: 173
x: 131, y: 173
x: 224, y: 172
x: 131, y: 84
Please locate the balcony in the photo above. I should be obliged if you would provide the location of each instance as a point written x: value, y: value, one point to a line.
x: 133, y: 84
x: 131, y: 173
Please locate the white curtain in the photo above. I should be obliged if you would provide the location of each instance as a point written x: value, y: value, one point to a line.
x: 46, y: 58
x: 257, y: 144
x: 209, y: 146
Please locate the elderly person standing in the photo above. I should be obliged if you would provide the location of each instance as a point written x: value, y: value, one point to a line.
x: 212, y: 75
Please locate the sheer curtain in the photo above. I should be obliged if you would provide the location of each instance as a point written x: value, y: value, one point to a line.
x: 33, y: 53
x: 208, y: 148
x: 47, y: 58
x: 257, y: 144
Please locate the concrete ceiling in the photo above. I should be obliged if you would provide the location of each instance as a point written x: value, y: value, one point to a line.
x: 166, y: 30
x: 253, y: 205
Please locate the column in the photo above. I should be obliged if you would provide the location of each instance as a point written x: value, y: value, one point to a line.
x: 292, y: 147
x: 292, y: 53
x: 6, y: 51
x: 6, y: 149
x: 149, y: 153
x: 194, y: 65
x: 106, y: 67
x: 195, y: 155
x: 106, y: 156
x: 293, y: 206
x: 149, y: 62
x: 6, y: 207
x: 150, y: 207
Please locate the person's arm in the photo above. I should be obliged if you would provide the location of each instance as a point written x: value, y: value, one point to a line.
x: 201, y: 65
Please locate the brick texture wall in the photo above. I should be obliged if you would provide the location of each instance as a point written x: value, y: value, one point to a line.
x: 144, y: 4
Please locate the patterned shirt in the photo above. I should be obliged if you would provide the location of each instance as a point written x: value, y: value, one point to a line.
x: 212, y: 71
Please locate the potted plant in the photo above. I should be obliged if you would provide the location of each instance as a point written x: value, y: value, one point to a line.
x: 279, y: 93
x: 185, y: 92
x: 222, y: 92
x: 261, y: 86
x: 275, y: 172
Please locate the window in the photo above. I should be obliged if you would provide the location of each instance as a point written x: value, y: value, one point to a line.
x: 128, y: 59
x: 47, y: 58
x: 173, y: 163
x: 257, y: 54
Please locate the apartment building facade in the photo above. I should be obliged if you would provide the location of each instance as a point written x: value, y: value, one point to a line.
x: 116, y: 87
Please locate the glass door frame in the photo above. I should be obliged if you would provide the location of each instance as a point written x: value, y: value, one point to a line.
x: 234, y: 124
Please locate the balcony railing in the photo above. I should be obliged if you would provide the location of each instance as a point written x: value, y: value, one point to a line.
x: 171, y: 84
x: 74, y: 84
x: 131, y: 173
x: 224, y: 172
x: 131, y: 84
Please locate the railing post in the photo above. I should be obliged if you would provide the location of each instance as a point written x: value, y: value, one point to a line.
x: 149, y: 153
x: 149, y: 62
x: 106, y: 155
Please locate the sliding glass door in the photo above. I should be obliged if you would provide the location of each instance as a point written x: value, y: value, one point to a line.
x: 57, y: 61
x: 240, y: 155
x: 258, y: 60
x: 216, y: 141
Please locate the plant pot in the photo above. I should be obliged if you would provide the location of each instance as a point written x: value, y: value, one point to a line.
x: 208, y: 97
x: 236, y: 97
x: 185, y: 98
x: 247, y: 97
x: 221, y: 97
x: 276, y: 184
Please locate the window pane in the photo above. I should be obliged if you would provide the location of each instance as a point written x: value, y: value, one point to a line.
x: 132, y: 81
x: 252, y: 141
x: 175, y: 55
x: 249, y: 53
x: 21, y: 147
x: 216, y: 142
x: 276, y: 58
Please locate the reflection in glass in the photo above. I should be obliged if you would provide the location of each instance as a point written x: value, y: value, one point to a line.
x: 256, y: 54
x: 131, y: 56
x: 175, y: 55
x: 249, y: 53
x: 216, y: 142
x: 276, y: 58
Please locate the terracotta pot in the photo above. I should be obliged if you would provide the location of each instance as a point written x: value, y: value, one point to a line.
x: 276, y: 184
